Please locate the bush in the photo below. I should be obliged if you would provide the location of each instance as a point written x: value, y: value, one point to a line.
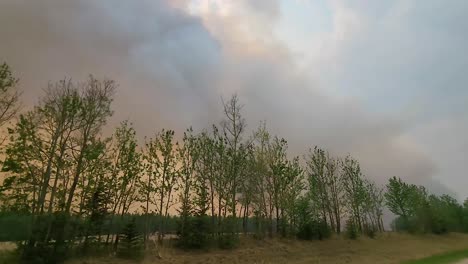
x: 228, y: 238
x: 400, y: 224
x: 351, y: 229
x: 55, y: 250
x: 370, y: 230
x: 314, y: 230
x: 194, y: 233
x: 130, y: 246
x: 15, y: 226
x: 423, y: 223
x: 43, y: 254
x: 439, y: 226
x: 228, y: 241
x: 260, y: 226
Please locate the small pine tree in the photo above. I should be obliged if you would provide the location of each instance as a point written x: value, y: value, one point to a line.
x: 195, y: 234
x: 97, y: 211
x: 229, y: 238
x: 260, y: 225
x: 351, y: 229
x: 131, y: 243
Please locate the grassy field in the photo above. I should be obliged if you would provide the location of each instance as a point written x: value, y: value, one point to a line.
x: 6, y: 252
x: 387, y: 248
x: 444, y: 258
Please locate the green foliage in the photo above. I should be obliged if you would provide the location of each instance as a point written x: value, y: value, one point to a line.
x: 195, y: 233
x: 362, y: 198
x: 444, y: 258
x: 97, y: 211
x: 15, y: 226
x: 69, y: 190
x: 399, y: 197
x: 399, y: 224
x: 97, y: 207
x: 260, y: 226
x: 351, y: 229
x: 6, y: 77
x: 8, y: 94
x: 160, y: 159
x: 419, y: 212
x: 229, y: 237
x: 9, y: 257
x: 370, y: 230
x: 464, y: 216
x: 314, y: 230
x: 228, y: 241
x: 131, y: 243
x: 41, y: 254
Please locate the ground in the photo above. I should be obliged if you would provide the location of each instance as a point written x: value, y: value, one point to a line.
x: 387, y: 248
x: 451, y: 257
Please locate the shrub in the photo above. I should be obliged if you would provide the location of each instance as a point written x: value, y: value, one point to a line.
x: 314, y: 230
x: 370, y: 230
x: 194, y: 233
x: 55, y: 250
x: 260, y: 225
x: 439, y: 226
x: 228, y: 241
x: 351, y: 229
x: 42, y: 254
x: 130, y: 246
x: 228, y: 238
x: 400, y: 224
x: 422, y: 223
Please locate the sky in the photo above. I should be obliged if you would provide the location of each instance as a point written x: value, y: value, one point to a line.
x: 382, y: 80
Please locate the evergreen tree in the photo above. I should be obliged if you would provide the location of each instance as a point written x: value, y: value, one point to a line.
x: 131, y: 242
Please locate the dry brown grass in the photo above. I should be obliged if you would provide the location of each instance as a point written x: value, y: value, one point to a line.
x: 388, y: 248
x: 7, y: 246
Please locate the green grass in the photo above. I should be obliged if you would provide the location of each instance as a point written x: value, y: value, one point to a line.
x: 7, y: 257
x: 445, y: 258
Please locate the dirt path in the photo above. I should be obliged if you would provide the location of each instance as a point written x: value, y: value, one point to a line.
x: 465, y: 261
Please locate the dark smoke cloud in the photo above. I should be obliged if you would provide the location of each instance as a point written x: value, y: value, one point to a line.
x: 173, y: 68
x: 165, y: 61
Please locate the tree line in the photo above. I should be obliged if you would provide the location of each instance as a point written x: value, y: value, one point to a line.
x: 78, y: 188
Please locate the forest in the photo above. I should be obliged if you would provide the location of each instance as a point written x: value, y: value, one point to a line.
x: 66, y: 189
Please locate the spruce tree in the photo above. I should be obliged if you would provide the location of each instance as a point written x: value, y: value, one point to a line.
x: 131, y: 243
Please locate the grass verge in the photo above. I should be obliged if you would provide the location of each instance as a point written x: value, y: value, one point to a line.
x: 8, y: 257
x: 445, y: 258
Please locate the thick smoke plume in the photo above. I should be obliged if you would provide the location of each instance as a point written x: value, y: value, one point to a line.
x: 173, y: 67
